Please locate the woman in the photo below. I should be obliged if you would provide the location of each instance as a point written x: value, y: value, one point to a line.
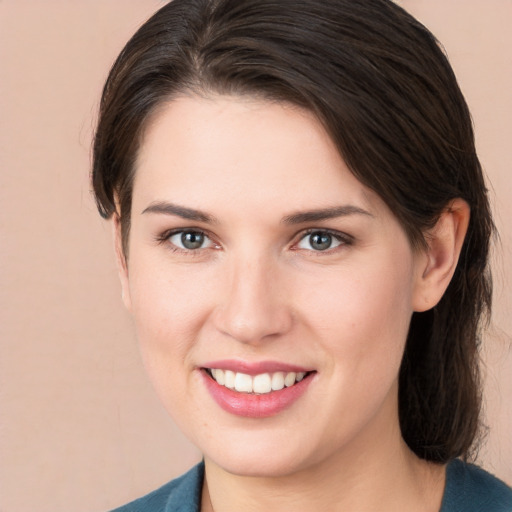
x: 302, y: 232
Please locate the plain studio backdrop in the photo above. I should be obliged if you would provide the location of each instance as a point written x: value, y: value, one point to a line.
x: 80, y: 426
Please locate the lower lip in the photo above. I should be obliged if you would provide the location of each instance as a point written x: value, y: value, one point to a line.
x: 252, y: 405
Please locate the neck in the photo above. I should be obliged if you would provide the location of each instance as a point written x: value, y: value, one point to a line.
x: 376, y: 472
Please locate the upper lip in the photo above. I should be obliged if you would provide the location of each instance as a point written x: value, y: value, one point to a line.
x: 255, y: 367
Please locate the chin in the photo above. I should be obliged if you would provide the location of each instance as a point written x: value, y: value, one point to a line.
x: 257, y: 467
x: 261, y: 459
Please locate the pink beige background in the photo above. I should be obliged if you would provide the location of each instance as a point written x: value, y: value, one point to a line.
x: 80, y: 427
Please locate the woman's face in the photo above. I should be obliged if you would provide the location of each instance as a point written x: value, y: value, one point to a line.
x: 255, y: 253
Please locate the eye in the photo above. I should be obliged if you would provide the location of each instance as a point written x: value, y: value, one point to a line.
x: 190, y: 240
x: 321, y: 241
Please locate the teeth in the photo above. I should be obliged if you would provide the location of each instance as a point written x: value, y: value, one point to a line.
x: 243, y: 383
x: 219, y: 377
x: 277, y: 381
x: 229, y: 379
x: 260, y: 384
x: 289, y: 380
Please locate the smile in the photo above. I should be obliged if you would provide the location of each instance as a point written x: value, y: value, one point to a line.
x: 260, y: 384
x: 257, y: 390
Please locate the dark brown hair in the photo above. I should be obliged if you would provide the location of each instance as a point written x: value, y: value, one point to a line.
x: 384, y: 90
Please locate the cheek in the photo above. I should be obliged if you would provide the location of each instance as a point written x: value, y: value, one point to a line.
x: 169, y: 307
x: 363, y: 313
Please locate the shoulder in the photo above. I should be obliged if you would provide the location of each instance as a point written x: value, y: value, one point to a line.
x: 472, y: 489
x: 182, y: 494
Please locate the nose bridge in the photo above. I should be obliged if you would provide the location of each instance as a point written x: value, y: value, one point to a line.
x: 254, y: 306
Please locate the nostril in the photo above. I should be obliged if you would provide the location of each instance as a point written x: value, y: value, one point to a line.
x: 253, y: 325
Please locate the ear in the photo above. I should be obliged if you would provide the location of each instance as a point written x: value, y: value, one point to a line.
x: 436, y: 265
x: 122, y: 264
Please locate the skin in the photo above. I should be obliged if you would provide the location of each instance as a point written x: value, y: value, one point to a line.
x: 258, y: 290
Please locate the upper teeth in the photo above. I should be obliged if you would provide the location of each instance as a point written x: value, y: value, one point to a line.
x: 262, y: 383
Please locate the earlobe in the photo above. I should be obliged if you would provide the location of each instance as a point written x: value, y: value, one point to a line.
x: 122, y: 264
x: 439, y: 261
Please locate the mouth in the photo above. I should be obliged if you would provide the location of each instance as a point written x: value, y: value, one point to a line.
x: 256, y: 394
x: 260, y: 384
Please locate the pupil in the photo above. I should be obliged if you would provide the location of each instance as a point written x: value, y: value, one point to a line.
x: 320, y: 241
x: 192, y: 240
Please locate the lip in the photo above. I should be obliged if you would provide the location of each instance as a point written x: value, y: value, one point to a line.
x: 255, y: 368
x: 250, y: 405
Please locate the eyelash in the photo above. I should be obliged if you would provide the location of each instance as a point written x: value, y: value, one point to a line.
x: 164, y: 238
x: 343, y: 239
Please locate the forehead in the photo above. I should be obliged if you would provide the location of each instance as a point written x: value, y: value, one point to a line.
x: 233, y: 147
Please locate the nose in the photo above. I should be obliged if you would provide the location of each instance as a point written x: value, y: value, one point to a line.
x: 255, y: 306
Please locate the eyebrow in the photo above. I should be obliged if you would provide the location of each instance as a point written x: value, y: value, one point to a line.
x: 163, y: 207
x: 324, y: 214
x: 166, y: 208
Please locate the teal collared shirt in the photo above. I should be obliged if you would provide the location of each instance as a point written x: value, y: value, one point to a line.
x: 180, y: 495
x: 468, y: 489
